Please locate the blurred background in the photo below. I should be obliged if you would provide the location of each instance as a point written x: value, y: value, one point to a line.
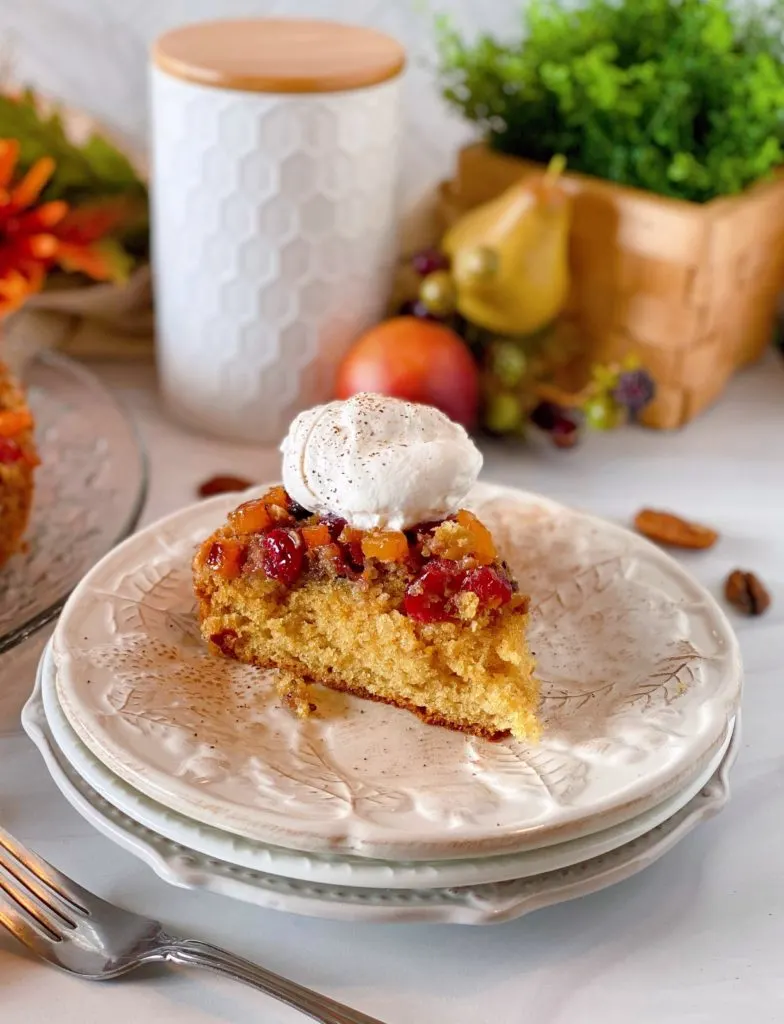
x: 93, y: 54
x: 670, y: 287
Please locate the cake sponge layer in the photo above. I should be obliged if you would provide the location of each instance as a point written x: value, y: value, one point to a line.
x: 476, y: 677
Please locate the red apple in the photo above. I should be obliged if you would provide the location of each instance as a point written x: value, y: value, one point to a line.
x: 418, y: 360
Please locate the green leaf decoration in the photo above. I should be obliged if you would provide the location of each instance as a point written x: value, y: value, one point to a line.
x: 109, y: 165
x: 84, y: 172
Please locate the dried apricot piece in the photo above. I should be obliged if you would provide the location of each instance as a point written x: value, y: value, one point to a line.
x: 15, y: 421
x: 316, y: 536
x: 277, y: 496
x: 671, y: 530
x: 251, y: 517
x: 226, y: 558
x: 481, y: 540
x: 385, y: 545
x: 351, y: 535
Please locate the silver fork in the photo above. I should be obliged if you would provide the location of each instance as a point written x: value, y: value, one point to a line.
x: 82, y: 934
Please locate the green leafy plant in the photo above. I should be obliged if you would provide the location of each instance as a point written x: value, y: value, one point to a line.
x: 684, y: 98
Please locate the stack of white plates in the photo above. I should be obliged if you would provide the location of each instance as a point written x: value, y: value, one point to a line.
x: 362, y: 812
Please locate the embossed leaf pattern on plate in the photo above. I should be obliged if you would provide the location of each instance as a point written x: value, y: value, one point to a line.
x: 44, y: 708
x: 475, y: 902
x: 639, y: 674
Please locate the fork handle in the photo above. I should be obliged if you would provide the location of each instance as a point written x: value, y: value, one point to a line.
x: 192, y: 953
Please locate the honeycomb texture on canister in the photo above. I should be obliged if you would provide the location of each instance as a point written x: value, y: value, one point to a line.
x: 275, y: 232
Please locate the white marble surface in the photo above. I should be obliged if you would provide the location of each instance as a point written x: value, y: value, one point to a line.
x: 696, y: 938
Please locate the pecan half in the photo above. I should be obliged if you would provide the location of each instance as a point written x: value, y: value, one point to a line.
x: 669, y: 529
x: 223, y: 484
x: 743, y: 590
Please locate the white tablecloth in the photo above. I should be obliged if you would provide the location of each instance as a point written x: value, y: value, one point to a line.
x: 698, y: 937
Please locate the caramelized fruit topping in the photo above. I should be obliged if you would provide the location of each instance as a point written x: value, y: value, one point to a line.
x: 9, y: 451
x: 335, y: 524
x: 299, y: 512
x: 452, y: 559
x: 350, y: 535
x: 350, y: 540
x: 336, y: 558
x: 316, y: 536
x: 432, y: 596
x: 251, y: 517
x: 492, y: 590
x: 449, y: 540
x: 385, y: 545
x: 482, y: 547
x: 461, y: 537
x: 226, y: 558
x: 428, y: 597
x: 277, y: 496
x: 283, y: 555
x: 14, y: 421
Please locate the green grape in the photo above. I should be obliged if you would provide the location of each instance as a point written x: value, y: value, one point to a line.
x: 605, y: 377
x: 631, y: 362
x: 602, y: 413
x: 437, y: 293
x: 508, y: 363
x: 503, y: 413
x: 476, y: 266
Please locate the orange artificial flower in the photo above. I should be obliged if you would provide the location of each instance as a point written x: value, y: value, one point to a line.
x: 36, y: 239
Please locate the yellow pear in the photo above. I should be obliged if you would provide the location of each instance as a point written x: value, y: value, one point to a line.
x: 510, y: 256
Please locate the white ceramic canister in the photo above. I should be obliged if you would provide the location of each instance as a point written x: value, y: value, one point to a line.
x: 274, y: 188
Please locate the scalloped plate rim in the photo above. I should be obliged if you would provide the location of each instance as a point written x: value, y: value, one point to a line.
x: 250, y: 823
x: 321, y: 869
x: 468, y: 905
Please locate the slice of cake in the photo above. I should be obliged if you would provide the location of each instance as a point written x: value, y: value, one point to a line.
x: 364, y: 574
x: 18, y: 459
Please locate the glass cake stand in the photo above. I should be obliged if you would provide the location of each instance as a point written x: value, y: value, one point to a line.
x: 89, y: 493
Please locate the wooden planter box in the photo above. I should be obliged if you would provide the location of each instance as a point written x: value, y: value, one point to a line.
x: 692, y: 288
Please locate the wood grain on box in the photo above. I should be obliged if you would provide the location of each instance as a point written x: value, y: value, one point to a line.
x: 691, y: 288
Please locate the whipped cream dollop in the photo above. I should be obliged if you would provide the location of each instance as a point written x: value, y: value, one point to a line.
x: 379, y: 462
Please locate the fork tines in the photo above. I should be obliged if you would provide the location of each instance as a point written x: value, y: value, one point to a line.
x: 34, y: 890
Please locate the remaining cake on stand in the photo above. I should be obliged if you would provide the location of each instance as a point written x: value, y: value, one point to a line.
x: 18, y: 459
x: 364, y: 574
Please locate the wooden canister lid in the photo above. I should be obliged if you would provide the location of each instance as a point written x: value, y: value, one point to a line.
x: 279, y: 55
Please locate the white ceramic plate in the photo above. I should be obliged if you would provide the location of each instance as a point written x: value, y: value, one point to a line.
x: 336, y: 870
x: 640, y: 676
x: 478, y: 904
